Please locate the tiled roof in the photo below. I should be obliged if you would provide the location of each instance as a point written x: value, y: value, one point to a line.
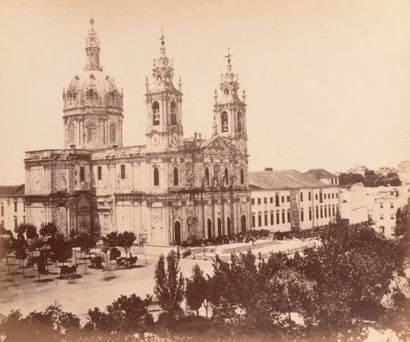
x: 321, y: 173
x: 12, y: 190
x: 286, y: 179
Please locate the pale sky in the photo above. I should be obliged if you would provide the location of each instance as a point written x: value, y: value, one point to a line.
x: 327, y: 82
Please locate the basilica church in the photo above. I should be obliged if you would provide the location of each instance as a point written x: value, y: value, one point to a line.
x: 171, y: 190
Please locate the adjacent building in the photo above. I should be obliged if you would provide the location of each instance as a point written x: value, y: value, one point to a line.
x: 290, y: 200
x: 170, y: 190
x: 12, y: 209
x: 354, y: 204
x: 403, y: 171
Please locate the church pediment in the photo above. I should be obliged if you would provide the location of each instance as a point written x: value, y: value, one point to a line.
x: 217, y: 145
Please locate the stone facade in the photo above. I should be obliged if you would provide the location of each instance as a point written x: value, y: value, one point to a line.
x: 171, y: 190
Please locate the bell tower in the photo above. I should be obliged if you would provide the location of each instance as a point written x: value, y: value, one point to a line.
x: 164, y: 102
x: 229, y: 110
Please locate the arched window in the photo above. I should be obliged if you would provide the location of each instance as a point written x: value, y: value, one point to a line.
x: 206, y: 176
x: 239, y: 122
x: 113, y: 133
x: 91, y: 132
x: 71, y: 133
x: 242, y: 176
x: 156, y: 176
x: 265, y: 216
x: 283, y: 216
x: 259, y: 219
x: 224, y: 121
x: 277, y: 217
x: 253, y: 220
x: 173, y: 113
x: 272, y: 219
x: 226, y: 176
x: 288, y: 215
x: 176, y: 176
x: 155, y: 114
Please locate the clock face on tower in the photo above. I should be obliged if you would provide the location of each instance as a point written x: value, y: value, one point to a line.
x: 155, y: 139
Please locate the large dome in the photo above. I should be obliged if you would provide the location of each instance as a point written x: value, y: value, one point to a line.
x: 92, y: 88
x: 92, y: 104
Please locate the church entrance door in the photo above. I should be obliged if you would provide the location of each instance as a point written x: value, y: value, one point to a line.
x: 209, y: 228
x: 243, y: 223
x: 177, y: 233
x: 219, y: 227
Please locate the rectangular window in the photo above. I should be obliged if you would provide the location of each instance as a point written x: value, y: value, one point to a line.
x: 271, y: 200
x: 310, y: 214
x: 301, y: 196
x: 123, y: 171
x: 321, y: 212
x: 15, y: 222
x: 2, y: 210
x: 260, y: 219
x: 288, y: 215
x: 277, y: 200
x: 265, y: 200
x: 333, y: 195
x: 259, y: 201
x: 302, y: 217
x: 333, y: 210
x: 253, y: 201
x: 15, y: 206
x: 324, y: 196
x: 266, y: 218
x: 325, y: 211
x: 253, y: 220
x: 277, y: 218
x: 99, y: 172
x: 287, y: 198
x: 272, y: 218
x: 82, y: 174
x: 317, y: 212
x: 337, y: 195
x: 283, y: 216
x: 283, y: 199
x: 310, y: 196
x: 321, y: 197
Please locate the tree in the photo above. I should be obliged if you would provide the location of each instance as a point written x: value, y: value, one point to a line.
x: 169, y: 285
x: 126, y: 314
x: 48, y: 230
x: 196, y: 289
x: 111, y: 239
x: 60, y: 248
x: 49, y: 325
x: 126, y: 240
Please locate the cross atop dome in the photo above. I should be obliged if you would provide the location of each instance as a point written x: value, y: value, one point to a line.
x: 92, y: 48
